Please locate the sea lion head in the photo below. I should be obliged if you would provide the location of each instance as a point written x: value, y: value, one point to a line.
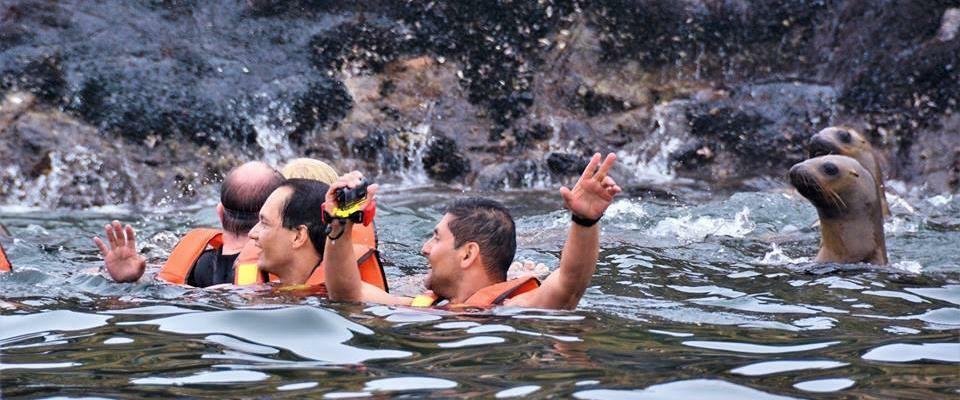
x: 838, y: 186
x: 848, y: 142
x: 839, y: 140
x: 848, y: 203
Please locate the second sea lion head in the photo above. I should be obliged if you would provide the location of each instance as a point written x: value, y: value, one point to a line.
x: 838, y: 186
x: 839, y: 140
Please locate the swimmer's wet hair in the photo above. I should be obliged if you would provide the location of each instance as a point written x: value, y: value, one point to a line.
x: 242, y: 199
x: 489, y: 224
x: 302, y: 207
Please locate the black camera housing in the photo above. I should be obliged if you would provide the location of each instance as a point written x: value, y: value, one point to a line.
x: 347, y: 196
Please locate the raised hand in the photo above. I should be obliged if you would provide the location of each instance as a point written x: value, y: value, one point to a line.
x: 121, y: 259
x: 349, y: 180
x: 594, y: 191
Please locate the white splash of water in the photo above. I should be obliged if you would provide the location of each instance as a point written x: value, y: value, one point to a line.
x: 651, y: 163
x: 270, y: 138
x: 776, y: 257
x: 693, y: 230
x: 940, y: 200
x: 628, y: 213
x: 909, y: 266
x: 897, y: 225
x: 414, y: 144
x: 896, y: 202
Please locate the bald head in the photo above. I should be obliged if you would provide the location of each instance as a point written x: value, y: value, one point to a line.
x: 243, y: 192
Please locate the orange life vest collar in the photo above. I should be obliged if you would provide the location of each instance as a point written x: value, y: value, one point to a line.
x: 489, y: 296
x: 184, y: 256
x: 186, y: 253
x: 5, y: 265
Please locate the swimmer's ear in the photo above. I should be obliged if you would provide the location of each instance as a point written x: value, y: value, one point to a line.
x: 468, y: 253
x: 302, y: 236
x: 854, y: 173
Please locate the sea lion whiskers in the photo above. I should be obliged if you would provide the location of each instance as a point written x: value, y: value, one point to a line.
x: 837, y: 200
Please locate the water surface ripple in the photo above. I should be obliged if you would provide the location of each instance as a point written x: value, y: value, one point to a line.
x: 702, y: 297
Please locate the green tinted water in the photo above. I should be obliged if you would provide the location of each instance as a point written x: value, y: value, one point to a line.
x: 701, y: 296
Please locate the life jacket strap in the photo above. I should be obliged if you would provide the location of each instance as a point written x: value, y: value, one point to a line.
x: 5, y: 265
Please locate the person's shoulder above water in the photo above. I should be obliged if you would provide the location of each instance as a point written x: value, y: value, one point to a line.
x: 474, y: 244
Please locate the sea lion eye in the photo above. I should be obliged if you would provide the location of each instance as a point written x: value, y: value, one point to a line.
x: 844, y: 136
x: 830, y: 169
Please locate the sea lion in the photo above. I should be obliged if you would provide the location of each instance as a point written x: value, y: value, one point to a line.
x: 846, y: 197
x: 848, y: 142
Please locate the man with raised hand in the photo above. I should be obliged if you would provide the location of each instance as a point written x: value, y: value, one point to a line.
x: 204, y: 257
x: 473, y: 245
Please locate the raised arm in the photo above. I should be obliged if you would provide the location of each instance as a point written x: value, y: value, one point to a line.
x: 121, y: 259
x: 340, y: 267
x: 587, y: 201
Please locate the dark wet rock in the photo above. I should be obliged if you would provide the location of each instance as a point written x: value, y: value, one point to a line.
x: 375, y: 149
x: 565, y: 164
x: 512, y: 174
x: 755, y: 130
x: 52, y: 159
x: 713, y: 35
x: 443, y: 160
x: 721, y: 92
x: 325, y: 102
x: 367, y: 46
x: 43, y: 77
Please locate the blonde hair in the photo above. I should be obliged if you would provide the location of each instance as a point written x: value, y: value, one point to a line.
x: 308, y: 168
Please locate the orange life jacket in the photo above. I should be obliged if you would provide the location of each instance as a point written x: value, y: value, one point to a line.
x: 4, y: 262
x: 489, y: 296
x: 194, y: 243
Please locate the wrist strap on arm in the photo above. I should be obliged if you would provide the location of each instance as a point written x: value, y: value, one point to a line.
x: 584, y: 222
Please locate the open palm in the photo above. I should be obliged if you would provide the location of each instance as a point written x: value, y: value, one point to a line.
x: 122, y: 260
x: 594, y: 191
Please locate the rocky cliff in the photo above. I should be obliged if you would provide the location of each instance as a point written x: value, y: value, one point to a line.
x: 134, y: 101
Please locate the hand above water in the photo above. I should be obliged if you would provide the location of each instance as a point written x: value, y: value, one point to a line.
x: 594, y: 191
x: 349, y: 180
x: 121, y: 259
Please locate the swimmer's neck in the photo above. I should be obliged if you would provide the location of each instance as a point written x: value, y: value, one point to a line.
x: 233, y: 243
x: 298, y: 271
x: 474, y: 279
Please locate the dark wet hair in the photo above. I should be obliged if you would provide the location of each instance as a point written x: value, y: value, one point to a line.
x: 489, y: 224
x: 243, y: 198
x: 304, y: 207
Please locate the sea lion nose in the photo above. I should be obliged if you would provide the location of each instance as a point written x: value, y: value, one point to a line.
x: 795, y: 175
x: 819, y: 146
x: 830, y: 169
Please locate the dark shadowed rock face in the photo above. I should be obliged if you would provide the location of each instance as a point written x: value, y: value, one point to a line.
x: 443, y: 161
x: 491, y: 94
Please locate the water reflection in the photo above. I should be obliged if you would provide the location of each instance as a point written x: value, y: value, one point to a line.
x: 14, y: 326
x: 776, y: 367
x: 306, y: 331
x: 825, y: 385
x: 702, y: 389
x: 756, y: 348
x: 903, y: 352
x: 660, y: 315
x: 205, y: 378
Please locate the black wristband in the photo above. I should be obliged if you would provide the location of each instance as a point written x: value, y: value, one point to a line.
x: 584, y: 222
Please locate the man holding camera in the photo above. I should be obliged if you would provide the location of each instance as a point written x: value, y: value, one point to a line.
x: 472, y: 247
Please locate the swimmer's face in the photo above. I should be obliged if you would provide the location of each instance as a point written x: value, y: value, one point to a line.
x: 444, y: 260
x: 275, y: 241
